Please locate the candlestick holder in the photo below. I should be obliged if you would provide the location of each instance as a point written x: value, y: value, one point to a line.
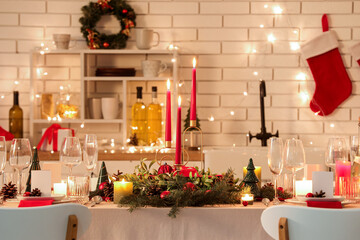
x: 168, y: 149
x: 190, y: 130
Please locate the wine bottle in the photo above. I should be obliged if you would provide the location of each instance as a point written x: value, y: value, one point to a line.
x: 16, y: 118
x: 139, y: 118
x: 154, y: 115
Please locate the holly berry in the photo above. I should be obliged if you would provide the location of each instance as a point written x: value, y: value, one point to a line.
x: 164, y: 194
x: 309, y: 195
x: 106, y: 44
x: 189, y: 186
x: 124, y: 11
x: 107, y: 199
x: 280, y: 189
x: 245, y: 203
x: 207, y: 191
x: 102, y: 185
x: 26, y: 194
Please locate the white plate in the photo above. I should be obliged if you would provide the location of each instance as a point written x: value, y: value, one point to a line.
x: 325, y: 199
x: 55, y: 197
x: 296, y: 201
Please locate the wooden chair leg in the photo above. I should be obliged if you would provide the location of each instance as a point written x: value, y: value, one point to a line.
x: 72, y: 227
x: 283, y: 229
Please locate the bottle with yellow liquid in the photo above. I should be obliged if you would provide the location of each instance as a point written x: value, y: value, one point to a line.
x: 139, y: 118
x: 154, y: 117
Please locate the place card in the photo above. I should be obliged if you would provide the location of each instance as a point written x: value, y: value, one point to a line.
x: 42, y: 180
x: 323, y: 181
x: 55, y: 168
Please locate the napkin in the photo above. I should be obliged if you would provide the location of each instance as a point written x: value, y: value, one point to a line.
x: 324, y: 204
x: 35, y: 203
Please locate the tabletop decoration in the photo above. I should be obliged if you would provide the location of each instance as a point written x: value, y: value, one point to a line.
x: 251, y: 180
x: 35, y: 165
x: 92, y: 14
x: 268, y: 192
x: 323, y: 181
x: 247, y: 198
x: 41, y: 180
x: 303, y: 187
x: 188, y: 187
x: 60, y: 188
x: 34, y: 193
x: 9, y: 191
x: 53, y: 137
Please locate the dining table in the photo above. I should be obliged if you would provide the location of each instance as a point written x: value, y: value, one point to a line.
x: 224, y: 222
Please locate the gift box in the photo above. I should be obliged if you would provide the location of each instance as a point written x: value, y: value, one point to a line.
x: 53, y: 137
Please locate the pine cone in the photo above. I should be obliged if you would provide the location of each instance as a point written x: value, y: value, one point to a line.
x: 117, y: 176
x: 9, y: 191
x: 134, y: 140
x: 35, y: 193
x: 268, y: 191
x: 153, y: 190
x: 109, y: 191
x: 321, y: 194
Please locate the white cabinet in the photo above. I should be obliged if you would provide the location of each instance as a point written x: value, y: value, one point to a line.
x: 75, y: 70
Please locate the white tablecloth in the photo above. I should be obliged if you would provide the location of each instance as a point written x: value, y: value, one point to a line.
x: 207, y: 223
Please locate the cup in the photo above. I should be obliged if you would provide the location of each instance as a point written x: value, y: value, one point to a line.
x: 78, y: 187
x: 144, y: 39
x: 152, y: 68
x: 95, y: 108
x: 61, y: 41
x: 110, y: 108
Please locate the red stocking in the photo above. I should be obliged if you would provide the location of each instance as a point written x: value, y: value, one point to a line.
x: 355, y: 52
x: 333, y: 84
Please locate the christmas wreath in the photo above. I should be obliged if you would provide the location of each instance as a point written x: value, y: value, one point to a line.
x: 93, y: 13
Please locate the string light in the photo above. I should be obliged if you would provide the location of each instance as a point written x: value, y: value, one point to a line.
x: 255, y: 73
x: 16, y: 82
x: 42, y: 44
x: 45, y: 73
x: 311, y: 143
x: 173, y: 60
x: 277, y: 10
x: 37, y: 95
x: 82, y: 125
x: 254, y: 50
x: 2, y: 97
x: 232, y: 113
x: 294, y: 46
x: 317, y: 113
x: 304, y: 96
x: 266, y: 6
x: 261, y: 25
x: 301, y: 76
x: 332, y: 125
x: 271, y: 38
x: 245, y: 93
x: 211, y: 119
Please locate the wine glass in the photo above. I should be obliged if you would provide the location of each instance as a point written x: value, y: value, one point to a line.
x: 20, y: 157
x: 70, y: 154
x: 336, y: 151
x: 275, y: 161
x: 90, y: 153
x: 2, y: 155
x: 354, y: 148
x: 294, y: 158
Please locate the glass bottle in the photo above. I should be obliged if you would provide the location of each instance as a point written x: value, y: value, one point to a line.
x: 16, y: 118
x: 154, y: 118
x: 139, y: 118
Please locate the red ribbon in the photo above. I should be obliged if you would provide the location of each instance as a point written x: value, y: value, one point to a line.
x: 51, y: 134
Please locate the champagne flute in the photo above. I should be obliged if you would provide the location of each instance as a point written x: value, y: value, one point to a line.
x: 294, y: 158
x: 2, y: 156
x: 90, y: 154
x: 70, y: 154
x: 20, y: 157
x: 336, y: 151
x: 275, y: 161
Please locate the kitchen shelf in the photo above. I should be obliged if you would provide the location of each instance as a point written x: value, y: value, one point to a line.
x: 104, y: 78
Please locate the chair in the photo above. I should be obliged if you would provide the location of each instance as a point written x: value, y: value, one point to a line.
x: 299, y: 223
x: 55, y: 222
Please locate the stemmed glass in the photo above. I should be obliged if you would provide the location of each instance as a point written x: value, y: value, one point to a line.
x: 2, y: 156
x: 275, y: 161
x: 354, y: 148
x: 294, y: 158
x: 20, y: 157
x: 336, y: 151
x: 70, y: 153
x: 90, y: 152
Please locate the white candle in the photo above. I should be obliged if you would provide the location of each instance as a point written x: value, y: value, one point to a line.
x: 303, y: 187
x: 248, y: 198
x: 60, y: 188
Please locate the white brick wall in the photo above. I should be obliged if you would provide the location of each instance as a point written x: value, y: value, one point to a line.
x: 229, y: 38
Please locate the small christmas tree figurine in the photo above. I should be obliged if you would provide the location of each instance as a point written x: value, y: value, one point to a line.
x: 187, y: 121
x: 103, y: 175
x: 251, y: 180
x: 35, y: 165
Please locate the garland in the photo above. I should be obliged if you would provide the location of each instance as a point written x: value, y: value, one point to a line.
x: 93, y: 13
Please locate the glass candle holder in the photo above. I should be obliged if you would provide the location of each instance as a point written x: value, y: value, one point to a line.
x: 78, y: 188
x: 248, y: 197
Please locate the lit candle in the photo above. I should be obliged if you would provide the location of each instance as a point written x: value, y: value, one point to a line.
x: 342, y: 169
x: 60, y: 188
x: 303, y: 187
x: 168, y: 117
x: 193, y: 96
x: 122, y: 189
x: 178, y: 135
x: 249, y: 198
x: 257, y: 173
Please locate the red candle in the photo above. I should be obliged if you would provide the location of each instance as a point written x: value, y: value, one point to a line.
x: 193, y: 94
x: 178, y: 135
x: 168, y: 116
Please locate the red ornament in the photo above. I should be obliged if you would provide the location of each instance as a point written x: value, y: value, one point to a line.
x: 245, y: 203
x: 185, y: 171
x: 124, y: 11
x: 165, y: 169
x: 102, y: 185
x: 309, y: 195
x: 280, y: 189
x: 107, y: 199
x: 106, y: 44
x: 189, y: 186
x: 164, y: 194
x: 207, y: 191
x: 26, y: 194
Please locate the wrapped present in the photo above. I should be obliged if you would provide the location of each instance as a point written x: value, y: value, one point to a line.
x: 53, y: 137
x: 8, y: 136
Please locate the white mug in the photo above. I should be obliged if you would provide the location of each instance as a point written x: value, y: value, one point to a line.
x: 110, y: 108
x: 95, y: 108
x: 144, y: 39
x: 152, y: 68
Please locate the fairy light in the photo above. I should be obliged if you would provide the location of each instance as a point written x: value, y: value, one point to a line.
x: 16, y: 82
x: 162, y: 104
x: 295, y: 31
x: 82, y: 125
x: 304, y: 96
x: 232, y: 113
x: 105, y: 151
x: 45, y: 73
x: 277, y: 10
x: 61, y: 87
x: 261, y: 25
x: 311, y: 143
x: 266, y: 6
x: 332, y: 125
x: 255, y: 73
x: 301, y: 76
x: 171, y: 47
x: 42, y: 44
x: 245, y: 93
x: 42, y: 52
x: 294, y: 46
x: 271, y: 38
x: 37, y: 95
x: 317, y: 113
x: 2, y: 96
x: 112, y: 151
x: 128, y: 140
x: 173, y: 60
x: 143, y: 106
x: 211, y: 119
x: 254, y: 50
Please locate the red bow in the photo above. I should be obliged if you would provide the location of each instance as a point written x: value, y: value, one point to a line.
x: 51, y: 134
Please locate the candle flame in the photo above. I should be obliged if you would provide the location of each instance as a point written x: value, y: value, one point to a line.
x: 179, y: 101
x: 123, y: 181
x: 168, y: 84
x: 194, y: 62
